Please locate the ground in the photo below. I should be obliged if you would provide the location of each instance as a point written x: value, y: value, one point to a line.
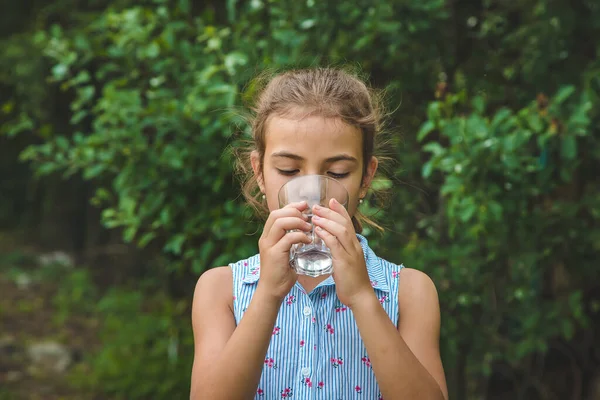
x: 28, y: 314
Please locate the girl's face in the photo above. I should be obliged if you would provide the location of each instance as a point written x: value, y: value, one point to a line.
x: 312, y: 145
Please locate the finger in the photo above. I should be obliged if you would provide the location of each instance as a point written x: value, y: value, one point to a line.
x: 340, y: 209
x: 331, y: 241
x: 285, y: 224
x: 290, y: 210
x: 290, y: 239
x: 331, y: 214
x: 345, y: 236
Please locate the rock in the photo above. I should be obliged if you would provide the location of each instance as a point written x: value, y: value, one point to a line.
x: 50, y: 356
x: 8, y: 346
x: 23, y: 281
x: 14, y: 376
x: 56, y: 258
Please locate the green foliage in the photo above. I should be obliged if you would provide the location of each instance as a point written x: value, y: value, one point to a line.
x: 147, y: 335
x: 511, y: 222
x: 76, y: 294
x: 498, y: 105
x: 150, y: 338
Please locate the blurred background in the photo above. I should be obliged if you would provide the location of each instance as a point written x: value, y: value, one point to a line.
x: 117, y: 120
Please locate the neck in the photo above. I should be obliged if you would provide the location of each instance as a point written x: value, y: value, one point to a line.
x: 309, y: 282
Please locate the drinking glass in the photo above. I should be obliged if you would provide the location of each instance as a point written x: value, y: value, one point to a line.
x: 312, y: 259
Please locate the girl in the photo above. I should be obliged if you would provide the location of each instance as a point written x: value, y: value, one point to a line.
x: 370, y: 330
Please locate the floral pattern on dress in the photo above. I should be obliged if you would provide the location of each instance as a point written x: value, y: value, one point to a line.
x: 319, y: 355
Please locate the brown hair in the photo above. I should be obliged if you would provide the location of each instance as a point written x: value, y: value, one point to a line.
x: 328, y: 92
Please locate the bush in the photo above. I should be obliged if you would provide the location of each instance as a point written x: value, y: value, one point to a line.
x: 504, y: 98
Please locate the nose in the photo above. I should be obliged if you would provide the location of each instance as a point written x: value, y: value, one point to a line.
x: 309, y: 189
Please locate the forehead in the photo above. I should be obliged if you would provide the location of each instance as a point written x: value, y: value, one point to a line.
x: 312, y: 137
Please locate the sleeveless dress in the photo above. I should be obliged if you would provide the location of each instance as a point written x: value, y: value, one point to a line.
x: 316, y: 351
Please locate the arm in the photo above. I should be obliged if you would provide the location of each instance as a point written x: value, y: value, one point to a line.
x: 406, y: 361
x: 228, y: 360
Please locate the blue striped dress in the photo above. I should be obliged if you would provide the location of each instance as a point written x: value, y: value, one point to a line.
x: 316, y: 351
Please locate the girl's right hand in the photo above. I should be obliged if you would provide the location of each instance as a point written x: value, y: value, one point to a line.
x: 276, y: 275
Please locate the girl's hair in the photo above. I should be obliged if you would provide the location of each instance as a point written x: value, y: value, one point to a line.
x: 327, y: 92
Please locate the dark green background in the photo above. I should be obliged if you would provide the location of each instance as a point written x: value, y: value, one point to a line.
x: 117, y: 120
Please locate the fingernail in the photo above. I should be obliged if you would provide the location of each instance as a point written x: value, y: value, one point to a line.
x: 316, y: 218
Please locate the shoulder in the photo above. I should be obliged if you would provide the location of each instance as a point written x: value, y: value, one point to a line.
x: 214, y: 286
x: 417, y: 291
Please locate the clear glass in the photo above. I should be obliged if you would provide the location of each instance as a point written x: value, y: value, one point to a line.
x: 312, y: 259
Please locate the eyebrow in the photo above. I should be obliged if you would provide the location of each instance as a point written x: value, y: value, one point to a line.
x: 339, y: 157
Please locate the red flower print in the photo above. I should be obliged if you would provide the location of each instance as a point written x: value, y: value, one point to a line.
x: 336, y: 362
x: 302, y: 343
x: 287, y: 393
x: 373, y: 283
x: 323, y: 295
x: 329, y: 329
x: 245, y: 263
x: 315, y: 347
x: 276, y: 330
x: 380, y: 397
x: 255, y: 270
x: 290, y: 300
x: 269, y: 362
x: 260, y: 392
x: 234, y: 298
x: 320, y: 385
x: 358, y: 389
x: 366, y: 361
x: 307, y: 382
x: 314, y: 320
x: 395, y: 274
x: 384, y: 299
x: 340, y: 309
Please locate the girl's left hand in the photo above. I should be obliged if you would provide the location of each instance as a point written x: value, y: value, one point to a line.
x: 334, y: 226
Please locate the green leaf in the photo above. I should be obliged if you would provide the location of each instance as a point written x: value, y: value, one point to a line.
x: 563, y: 94
x: 93, y: 171
x: 129, y: 233
x: 426, y: 128
x: 434, y: 111
x: 175, y: 244
x: 427, y: 169
x: 307, y: 23
x: 467, y: 212
x: 478, y: 104
x: 434, y: 147
x: 146, y: 238
x: 535, y: 122
x: 568, y: 148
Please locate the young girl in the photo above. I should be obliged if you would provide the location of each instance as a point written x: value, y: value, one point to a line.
x: 371, y: 329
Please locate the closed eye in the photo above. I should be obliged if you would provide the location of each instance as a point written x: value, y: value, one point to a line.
x: 291, y: 172
x: 339, y: 176
x: 287, y: 172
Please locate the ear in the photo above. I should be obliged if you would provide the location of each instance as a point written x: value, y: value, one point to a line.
x: 257, y: 168
x: 368, y: 178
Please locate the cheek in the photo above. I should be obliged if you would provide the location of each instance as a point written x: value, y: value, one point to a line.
x: 353, y: 188
x: 273, y: 182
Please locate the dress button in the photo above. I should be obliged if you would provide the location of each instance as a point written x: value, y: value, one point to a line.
x: 305, y: 371
x: 307, y: 311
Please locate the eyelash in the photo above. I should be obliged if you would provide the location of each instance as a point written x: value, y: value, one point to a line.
x: 293, y: 172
